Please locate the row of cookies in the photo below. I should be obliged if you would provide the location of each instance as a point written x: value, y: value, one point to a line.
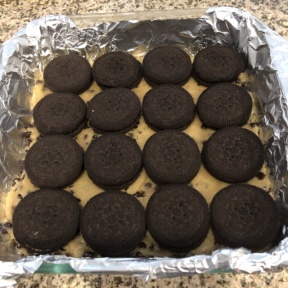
x: 164, y: 107
x: 161, y: 65
x: 113, y: 223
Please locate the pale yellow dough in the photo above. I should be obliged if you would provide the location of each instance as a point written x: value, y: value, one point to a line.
x: 84, y: 188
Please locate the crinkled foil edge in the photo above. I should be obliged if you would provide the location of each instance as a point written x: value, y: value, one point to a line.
x: 267, y: 53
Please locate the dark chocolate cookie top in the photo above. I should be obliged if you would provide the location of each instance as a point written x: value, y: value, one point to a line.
x: 216, y: 64
x: 167, y: 65
x: 68, y: 73
x: 244, y: 216
x: 112, y: 110
x: 113, y: 161
x: 60, y: 113
x: 113, y: 223
x: 46, y: 220
x: 223, y: 105
x: 171, y: 156
x: 54, y: 161
x: 168, y: 107
x: 117, y: 69
x: 178, y: 217
x: 233, y: 154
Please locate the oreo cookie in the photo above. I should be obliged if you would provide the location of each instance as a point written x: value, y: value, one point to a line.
x: 244, y: 216
x: 113, y: 223
x: 60, y: 113
x: 224, y: 105
x: 178, y: 217
x: 68, y: 73
x: 115, y: 109
x: 167, y: 65
x: 54, y: 161
x: 171, y: 156
x: 113, y: 161
x: 46, y: 220
x: 168, y: 107
x: 233, y: 154
x: 216, y: 64
x: 117, y: 69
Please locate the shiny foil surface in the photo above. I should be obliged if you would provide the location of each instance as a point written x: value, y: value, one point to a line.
x: 27, y: 53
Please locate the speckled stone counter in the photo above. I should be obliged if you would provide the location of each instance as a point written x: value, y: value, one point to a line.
x: 276, y: 279
x: 16, y: 13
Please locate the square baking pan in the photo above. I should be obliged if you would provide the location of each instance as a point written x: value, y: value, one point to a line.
x: 30, y: 49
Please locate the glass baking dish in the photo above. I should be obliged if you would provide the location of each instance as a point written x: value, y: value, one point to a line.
x: 50, y: 264
x: 89, y: 20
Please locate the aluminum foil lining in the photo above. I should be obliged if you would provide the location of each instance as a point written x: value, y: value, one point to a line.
x: 267, y: 53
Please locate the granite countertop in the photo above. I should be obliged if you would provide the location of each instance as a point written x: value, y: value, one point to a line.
x: 16, y: 13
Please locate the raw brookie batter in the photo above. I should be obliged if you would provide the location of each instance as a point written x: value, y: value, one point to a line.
x: 143, y: 187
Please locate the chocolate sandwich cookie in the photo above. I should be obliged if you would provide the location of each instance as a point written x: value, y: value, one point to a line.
x: 46, y: 220
x: 117, y: 69
x: 233, y: 154
x: 244, y: 216
x: 60, y: 113
x: 113, y: 161
x: 166, y: 65
x: 177, y: 217
x: 68, y: 73
x: 171, y: 156
x: 224, y: 105
x: 113, y: 223
x: 216, y: 64
x: 115, y: 109
x: 54, y: 161
x: 168, y: 107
